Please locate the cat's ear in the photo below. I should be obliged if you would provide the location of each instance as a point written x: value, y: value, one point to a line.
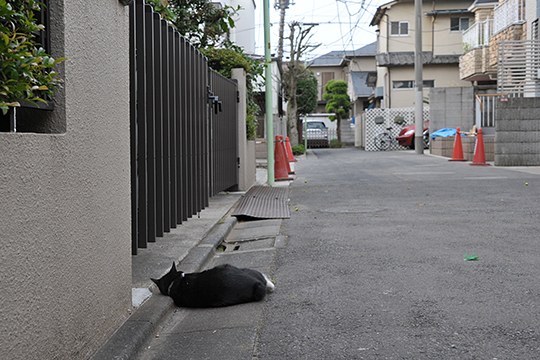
x: 156, y: 281
x: 173, y: 268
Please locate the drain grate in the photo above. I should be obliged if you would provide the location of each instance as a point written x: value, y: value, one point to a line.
x: 264, y: 202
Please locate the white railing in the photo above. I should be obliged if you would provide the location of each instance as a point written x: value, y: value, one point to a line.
x: 518, y: 67
x: 478, y: 34
x: 507, y: 13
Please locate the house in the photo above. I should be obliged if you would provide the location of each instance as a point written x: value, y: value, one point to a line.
x: 243, y: 33
x: 442, y: 25
x: 501, y: 63
x: 356, y: 67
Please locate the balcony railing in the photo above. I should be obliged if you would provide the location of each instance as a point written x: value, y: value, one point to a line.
x: 518, y: 67
x: 478, y: 34
x: 508, y: 13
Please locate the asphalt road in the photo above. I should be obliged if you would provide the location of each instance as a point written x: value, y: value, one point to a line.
x: 373, y: 267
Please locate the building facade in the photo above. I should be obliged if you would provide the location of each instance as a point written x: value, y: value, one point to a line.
x: 442, y: 25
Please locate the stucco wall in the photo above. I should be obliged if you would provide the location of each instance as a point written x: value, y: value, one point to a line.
x: 65, y: 214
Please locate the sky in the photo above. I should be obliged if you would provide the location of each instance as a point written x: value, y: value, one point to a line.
x: 343, y: 24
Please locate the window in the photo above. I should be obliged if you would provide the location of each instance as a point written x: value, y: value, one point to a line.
x: 459, y: 23
x: 410, y: 84
x: 399, y: 28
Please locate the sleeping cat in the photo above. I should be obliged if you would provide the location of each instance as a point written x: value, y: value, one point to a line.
x: 222, y: 285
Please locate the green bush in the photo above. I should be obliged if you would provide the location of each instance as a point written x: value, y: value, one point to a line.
x: 335, y: 144
x: 26, y: 70
x: 298, y: 149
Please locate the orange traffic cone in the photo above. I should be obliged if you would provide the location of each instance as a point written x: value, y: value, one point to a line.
x: 290, y: 154
x: 479, y: 153
x: 281, y: 163
x: 457, y: 154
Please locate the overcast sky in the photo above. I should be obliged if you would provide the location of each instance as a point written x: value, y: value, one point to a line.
x: 343, y: 24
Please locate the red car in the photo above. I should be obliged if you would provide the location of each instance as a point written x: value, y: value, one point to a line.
x: 405, y: 137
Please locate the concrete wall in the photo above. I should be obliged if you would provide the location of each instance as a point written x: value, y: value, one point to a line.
x: 517, y: 138
x: 451, y: 108
x: 65, y: 214
x: 246, y: 149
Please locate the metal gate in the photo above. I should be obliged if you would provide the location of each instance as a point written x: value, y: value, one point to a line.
x: 173, y: 144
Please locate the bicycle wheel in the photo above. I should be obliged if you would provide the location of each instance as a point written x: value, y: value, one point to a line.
x: 382, y: 141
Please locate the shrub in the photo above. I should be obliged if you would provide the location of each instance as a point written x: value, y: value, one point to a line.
x: 298, y: 149
x: 335, y: 144
x: 26, y: 70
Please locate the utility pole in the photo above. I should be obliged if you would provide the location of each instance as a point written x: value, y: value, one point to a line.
x: 269, y: 125
x: 418, y: 70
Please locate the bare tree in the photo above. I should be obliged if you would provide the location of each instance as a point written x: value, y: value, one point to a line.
x: 299, y: 46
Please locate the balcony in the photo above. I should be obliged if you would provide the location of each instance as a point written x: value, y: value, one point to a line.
x: 478, y: 35
x: 481, y: 41
x: 508, y: 13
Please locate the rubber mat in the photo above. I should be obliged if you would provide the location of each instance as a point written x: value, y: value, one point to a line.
x: 264, y: 202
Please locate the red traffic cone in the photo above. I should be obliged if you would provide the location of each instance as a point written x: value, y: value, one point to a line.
x: 290, y: 154
x: 281, y: 164
x: 479, y: 158
x: 457, y: 154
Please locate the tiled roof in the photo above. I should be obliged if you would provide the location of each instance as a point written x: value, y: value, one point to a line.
x: 336, y: 58
x: 359, y: 80
x: 407, y: 58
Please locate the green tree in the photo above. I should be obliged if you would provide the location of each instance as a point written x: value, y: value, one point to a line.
x: 337, y: 102
x: 201, y: 22
x: 305, y: 88
x: 26, y: 70
x: 306, y: 93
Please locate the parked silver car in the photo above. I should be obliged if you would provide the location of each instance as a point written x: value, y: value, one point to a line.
x: 316, y: 134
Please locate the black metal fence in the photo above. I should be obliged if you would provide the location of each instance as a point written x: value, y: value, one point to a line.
x: 183, y: 128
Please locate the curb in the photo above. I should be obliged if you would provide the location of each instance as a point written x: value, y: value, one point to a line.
x: 129, y: 339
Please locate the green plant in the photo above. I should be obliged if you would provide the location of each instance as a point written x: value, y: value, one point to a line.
x: 298, y: 149
x: 26, y: 70
x: 335, y: 144
x: 337, y: 102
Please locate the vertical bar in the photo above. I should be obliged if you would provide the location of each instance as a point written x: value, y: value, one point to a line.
x: 198, y: 115
x: 190, y: 140
x: 173, y: 107
x: 142, y: 181
x: 158, y: 132
x: 166, y: 127
x: 206, y: 137
x: 150, y: 125
x: 133, y: 31
x: 185, y: 147
x: 179, y: 128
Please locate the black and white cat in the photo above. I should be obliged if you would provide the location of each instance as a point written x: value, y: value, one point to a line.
x: 222, y: 285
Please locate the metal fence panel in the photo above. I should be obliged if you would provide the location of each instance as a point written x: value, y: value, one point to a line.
x: 173, y: 142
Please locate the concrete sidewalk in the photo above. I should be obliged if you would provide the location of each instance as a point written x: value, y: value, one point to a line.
x: 190, y: 245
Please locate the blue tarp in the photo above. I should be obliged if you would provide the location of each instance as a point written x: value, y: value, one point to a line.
x: 444, y: 132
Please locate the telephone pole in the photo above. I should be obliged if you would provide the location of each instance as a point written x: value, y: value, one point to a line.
x: 269, y: 125
x: 418, y: 70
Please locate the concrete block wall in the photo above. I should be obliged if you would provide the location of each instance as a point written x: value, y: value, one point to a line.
x: 451, y: 108
x: 518, y: 132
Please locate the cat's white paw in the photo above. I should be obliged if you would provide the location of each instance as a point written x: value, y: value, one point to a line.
x: 269, y: 284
